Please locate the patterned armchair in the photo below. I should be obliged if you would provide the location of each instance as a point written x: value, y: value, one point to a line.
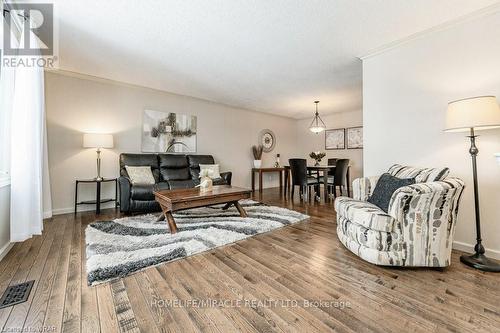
x: 417, y: 229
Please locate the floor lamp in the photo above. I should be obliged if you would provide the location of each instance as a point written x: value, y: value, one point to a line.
x: 472, y: 114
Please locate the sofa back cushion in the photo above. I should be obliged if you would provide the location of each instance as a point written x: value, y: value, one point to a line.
x: 421, y: 175
x: 174, y: 167
x: 140, y: 160
x: 194, y: 165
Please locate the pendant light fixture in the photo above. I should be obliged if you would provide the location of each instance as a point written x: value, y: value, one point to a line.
x: 317, y: 125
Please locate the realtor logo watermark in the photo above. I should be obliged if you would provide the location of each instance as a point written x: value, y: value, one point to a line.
x: 32, y: 24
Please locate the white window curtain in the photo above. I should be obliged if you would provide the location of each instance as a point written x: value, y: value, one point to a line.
x: 7, y: 83
x: 29, y: 171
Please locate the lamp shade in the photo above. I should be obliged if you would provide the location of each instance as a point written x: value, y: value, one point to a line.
x: 477, y: 112
x: 91, y: 140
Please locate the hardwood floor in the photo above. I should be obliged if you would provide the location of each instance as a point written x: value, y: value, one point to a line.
x: 301, y: 262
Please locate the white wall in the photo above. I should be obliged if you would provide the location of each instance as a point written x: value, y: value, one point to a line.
x: 4, y: 220
x: 308, y: 141
x: 405, y: 94
x: 77, y: 104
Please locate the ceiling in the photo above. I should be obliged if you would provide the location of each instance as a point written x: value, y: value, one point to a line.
x: 271, y: 56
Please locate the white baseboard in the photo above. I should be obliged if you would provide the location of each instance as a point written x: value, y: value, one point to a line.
x: 495, y: 254
x: 67, y: 210
x: 5, y: 249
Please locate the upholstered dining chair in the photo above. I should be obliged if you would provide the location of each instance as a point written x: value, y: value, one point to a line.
x: 298, y: 167
x: 332, y: 161
x: 339, y: 176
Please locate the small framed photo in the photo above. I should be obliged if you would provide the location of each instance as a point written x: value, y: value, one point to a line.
x: 355, y: 138
x: 335, y: 139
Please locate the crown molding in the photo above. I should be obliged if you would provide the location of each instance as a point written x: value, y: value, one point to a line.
x: 490, y: 10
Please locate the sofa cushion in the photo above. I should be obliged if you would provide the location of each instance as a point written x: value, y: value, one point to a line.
x: 210, y: 170
x: 175, y: 184
x: 421, y: 175
x: 364, y: 213
x: 140, y: 160
x: 375, y: 239
x: 385, y: 188
x: 194, y: 164
x: 146, y: 192
x: 140, y: 175
x: 173, y: 167
x: 142, y: 192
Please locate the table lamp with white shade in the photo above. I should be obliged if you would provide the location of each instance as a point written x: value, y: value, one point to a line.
x: 470, y: 115
x: 98, y: 141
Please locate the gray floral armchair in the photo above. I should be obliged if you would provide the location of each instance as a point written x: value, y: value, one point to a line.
x: 417, y: 229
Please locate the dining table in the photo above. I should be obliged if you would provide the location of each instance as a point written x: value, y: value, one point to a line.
x: 325, y: 170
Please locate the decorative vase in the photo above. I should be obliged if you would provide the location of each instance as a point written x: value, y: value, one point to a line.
x: 317, y: 163
x: 257, y: 163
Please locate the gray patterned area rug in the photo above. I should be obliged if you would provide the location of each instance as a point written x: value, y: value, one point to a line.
x: 120, y: 247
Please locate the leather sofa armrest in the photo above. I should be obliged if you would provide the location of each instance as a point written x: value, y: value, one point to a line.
x: 227, y: 176
x: 124, y: 185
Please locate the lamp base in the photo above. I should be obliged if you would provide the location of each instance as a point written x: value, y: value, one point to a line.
x: 481, y: 262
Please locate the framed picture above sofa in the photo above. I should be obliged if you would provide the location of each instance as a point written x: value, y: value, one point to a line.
x: 335, y: 139
x: 168, y: 132
x: 354, y: 137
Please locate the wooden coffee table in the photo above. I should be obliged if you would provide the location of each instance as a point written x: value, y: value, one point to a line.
x: 173, y: 200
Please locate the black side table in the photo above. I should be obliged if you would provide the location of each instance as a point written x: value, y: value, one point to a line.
x: 98, y: 201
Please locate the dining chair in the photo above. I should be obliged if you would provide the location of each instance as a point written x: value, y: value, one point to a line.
x: 300, y: 178
x: 332, y: 161
x: 339, y: 178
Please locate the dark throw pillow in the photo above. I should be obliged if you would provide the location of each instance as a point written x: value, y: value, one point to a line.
x: 384, y: 189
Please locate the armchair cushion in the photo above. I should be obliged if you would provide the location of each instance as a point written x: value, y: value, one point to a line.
x: 364, y: 214
x: 379, y: 240
x: 386, y: 186
x: 421, y: 175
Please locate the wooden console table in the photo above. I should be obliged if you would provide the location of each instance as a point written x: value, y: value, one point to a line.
x: 261, y: 171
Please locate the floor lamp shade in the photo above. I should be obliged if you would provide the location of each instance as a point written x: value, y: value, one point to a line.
x: 472, y: 114
x: 477, y: 112
x: 91, y: 140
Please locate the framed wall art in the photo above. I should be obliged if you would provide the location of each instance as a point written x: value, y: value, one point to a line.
x: 335, y: 139
x: 354, y: 138
x: 168, y: 132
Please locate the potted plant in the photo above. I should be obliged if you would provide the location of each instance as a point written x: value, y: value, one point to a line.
x: 317, y: 156
x: 257, y: 155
